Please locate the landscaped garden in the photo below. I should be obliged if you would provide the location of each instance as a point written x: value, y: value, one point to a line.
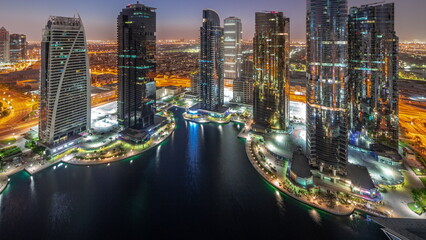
x: 8, y: 141
x: 419, y: 204
x: 9, y: 152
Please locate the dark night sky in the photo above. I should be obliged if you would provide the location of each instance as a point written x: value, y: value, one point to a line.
x: 182, y: 18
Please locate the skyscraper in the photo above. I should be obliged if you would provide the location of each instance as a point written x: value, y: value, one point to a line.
x: 195, y: 85
x: 136, y: 26
x: 211, y: 62
x: 243, y: 86
x: 4, y: 45
x: 373, y: 70
x: 64, y: 83
x: 233, y: 34
x: 18, y: 47
x: 326, y: 86
x: 271, y: 45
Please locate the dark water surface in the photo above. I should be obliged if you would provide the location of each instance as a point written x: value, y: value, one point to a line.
x: 198, y: 184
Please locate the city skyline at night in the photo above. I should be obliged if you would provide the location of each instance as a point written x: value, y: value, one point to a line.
x: 100, y: 25
x: 244, y: 119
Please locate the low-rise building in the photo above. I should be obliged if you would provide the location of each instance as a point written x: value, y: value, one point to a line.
x: 137, y: 136
x: 299, y: 170
x: 360, y: 181
x: 163, y: 92
x: 386, y: 155
x: 28, y: 84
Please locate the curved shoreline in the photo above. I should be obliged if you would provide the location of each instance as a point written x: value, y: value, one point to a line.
x: 205, y: 121
x: 343, y: 211
x: 116, y: 159
x: 349, y: 211
x: 5, y: 182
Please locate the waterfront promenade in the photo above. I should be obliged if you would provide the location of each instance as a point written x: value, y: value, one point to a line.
x: 132, y: 153
x: 277, y: 183
x: 33, y: 168
x: 396, y: 209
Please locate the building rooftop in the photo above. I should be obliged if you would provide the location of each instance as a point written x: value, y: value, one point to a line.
x: 97, y: 90
x: 172, y: 87
x: 403, y: 228
x: 386, y: 151
x: 136, y: 132
x: 359, y: 176
x: 300, y: 165
x: 279, y: 144
x: 195, y: 107
x: 158, y: 121
x: 222, y: 109
x: 138, y: 5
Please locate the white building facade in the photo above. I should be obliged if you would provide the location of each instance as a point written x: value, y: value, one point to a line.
x: 233, y: 34
x: 64, y: 83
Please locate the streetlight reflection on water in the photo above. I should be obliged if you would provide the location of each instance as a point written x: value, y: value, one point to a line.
x: 315, y: 216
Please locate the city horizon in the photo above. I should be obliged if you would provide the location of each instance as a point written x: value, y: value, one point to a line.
x: 308, y: 123
x: 186, y: 17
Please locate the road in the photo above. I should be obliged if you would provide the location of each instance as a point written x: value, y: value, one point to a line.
x: 413, y: 119
x: 14, y: 125
x: 22, y: 106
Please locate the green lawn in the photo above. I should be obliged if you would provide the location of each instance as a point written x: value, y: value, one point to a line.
x: 9, y: 151
x: 423, y: 179
x: 419, y: 171
x: 8, y: 141
x: 415, y: 208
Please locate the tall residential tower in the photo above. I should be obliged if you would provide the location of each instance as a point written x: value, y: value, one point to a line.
x: 271, y: 46
x: 327, y: 84
x: 64, y: 83
x: 373, y: 70
x: 18, y: 47
x: 233, y: 34
x: 4, y: 45
x: 243, y: 86
x: 211, y: 62
x: 136, y: 26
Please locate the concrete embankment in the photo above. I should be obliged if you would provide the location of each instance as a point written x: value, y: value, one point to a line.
x: 339, y: 210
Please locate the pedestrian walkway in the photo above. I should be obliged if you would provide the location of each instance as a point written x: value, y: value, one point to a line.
x: 132, y: 153
x: 33, y: 168
x: 338, y: 210
x: 246, y: 130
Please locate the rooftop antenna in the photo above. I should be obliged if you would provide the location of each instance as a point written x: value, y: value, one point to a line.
x: 371, y: 4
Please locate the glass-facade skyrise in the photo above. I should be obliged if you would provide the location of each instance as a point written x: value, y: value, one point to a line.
x: 211, y: 62
x: 373, y: 70
x: 64, y: 82
x: 327, y: 82
x: 195, y: 85
x: 271, y: 46
x: 136, y: 27
x: 243, y: 86
x: 4, y: 45
x: 233, y: 34
x: 18, y: 47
